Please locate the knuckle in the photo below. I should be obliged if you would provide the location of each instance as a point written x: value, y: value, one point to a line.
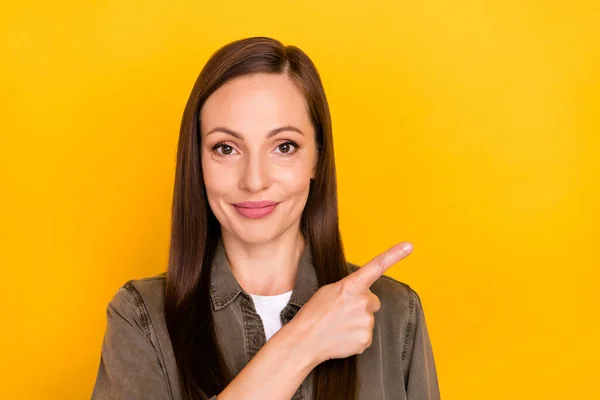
x: 365, y: 338
x: 365, y: 304
x: 346, y: 285
x: 377, y: 304
x: 378, y: 260
x: 373, y: 303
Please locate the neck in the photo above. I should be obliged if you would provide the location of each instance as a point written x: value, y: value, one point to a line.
x: 265, y: 269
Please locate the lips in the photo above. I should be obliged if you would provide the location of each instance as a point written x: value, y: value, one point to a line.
x: 255, y: 204
x: 255, y: 209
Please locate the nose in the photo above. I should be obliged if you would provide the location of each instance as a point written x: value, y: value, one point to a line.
x: 254, y: 176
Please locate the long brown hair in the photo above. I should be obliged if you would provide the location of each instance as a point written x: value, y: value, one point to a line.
x: 195, y: 229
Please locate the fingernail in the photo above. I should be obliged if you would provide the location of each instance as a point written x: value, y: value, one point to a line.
x: 407, y: 246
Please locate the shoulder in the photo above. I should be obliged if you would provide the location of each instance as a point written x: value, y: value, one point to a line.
x: 148, y: 288
x: 399, y: 301
x: 400, y: 313
x: 138, y: 299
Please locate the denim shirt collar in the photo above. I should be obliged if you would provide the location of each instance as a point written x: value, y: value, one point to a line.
x: 224, y: 287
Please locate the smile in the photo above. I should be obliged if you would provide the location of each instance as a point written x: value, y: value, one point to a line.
x: 255, y: 209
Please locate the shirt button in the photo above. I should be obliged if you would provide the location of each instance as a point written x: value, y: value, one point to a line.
x: 289, y: 314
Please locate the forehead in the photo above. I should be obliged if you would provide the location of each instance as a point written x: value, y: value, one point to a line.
x: 256, y: 103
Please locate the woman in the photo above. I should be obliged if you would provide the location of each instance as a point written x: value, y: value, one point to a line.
x: 259, y: 301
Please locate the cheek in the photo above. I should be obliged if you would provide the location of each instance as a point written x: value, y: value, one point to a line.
x: 295, y: 180
x: 216, y: 182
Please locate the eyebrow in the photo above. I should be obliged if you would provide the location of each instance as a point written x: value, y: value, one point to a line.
x: 271, y: 133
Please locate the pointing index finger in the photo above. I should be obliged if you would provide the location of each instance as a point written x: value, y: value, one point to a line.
x: 366, y: 275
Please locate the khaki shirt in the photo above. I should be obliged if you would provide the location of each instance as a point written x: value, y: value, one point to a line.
x: 137, y: 360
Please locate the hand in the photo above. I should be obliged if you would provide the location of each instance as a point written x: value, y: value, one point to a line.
x: 338, y: 320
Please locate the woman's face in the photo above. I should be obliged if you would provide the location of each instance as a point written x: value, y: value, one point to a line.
x: 258, y: 145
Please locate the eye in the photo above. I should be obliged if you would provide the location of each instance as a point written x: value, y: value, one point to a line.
x: 286, y: 147
x: 225, y: 149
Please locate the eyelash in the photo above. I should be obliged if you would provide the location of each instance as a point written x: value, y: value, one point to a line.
x: 221, y: 144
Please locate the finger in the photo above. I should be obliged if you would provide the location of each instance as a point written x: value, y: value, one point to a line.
x: 366, y: 275
x: 376, y: 304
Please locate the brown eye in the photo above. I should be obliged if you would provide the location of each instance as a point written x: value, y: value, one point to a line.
x: 286, y: 148
x: 227, y: 149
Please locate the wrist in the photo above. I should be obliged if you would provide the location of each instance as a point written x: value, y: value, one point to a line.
x: 296, y: 340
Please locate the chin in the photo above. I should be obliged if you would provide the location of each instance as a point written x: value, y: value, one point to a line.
x: 255, y: 232
x: 255, y: 236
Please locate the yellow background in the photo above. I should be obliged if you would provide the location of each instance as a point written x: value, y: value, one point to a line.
x: 470, y: 128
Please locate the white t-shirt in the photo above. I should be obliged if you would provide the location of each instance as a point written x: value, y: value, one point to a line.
x: 269, y: 308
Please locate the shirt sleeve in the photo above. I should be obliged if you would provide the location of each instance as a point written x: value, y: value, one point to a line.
x: 129, y: 364
x: 422, y: 381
